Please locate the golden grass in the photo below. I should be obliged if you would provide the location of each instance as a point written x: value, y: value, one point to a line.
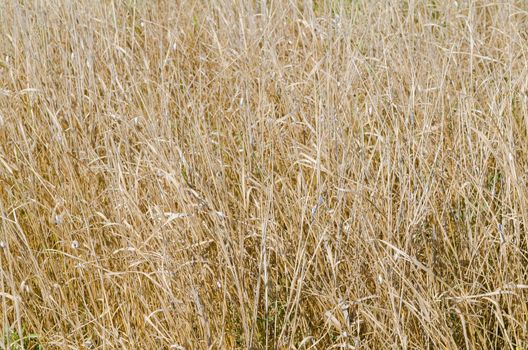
x: 264, y: 174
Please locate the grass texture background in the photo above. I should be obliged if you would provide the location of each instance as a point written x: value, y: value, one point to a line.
x: 274, y: 174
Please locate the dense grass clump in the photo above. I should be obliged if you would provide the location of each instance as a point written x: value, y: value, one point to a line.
x: 263, y: 174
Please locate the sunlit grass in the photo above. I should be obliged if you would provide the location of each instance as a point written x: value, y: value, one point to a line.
x: 264, y: 174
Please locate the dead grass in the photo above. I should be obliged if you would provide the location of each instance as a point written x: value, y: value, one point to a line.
x: 264, y: 175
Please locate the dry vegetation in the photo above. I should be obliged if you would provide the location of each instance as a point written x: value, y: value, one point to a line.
x: 264, y: 175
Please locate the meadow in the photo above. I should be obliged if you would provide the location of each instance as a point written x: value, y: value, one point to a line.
x: 271, y: 174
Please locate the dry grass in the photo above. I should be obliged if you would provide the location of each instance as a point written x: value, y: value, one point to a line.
x: 264, y: 175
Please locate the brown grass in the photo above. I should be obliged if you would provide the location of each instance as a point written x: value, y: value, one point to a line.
x: 264, y: 174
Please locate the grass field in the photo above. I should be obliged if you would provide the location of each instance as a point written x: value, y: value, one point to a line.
x: 272, y: 174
